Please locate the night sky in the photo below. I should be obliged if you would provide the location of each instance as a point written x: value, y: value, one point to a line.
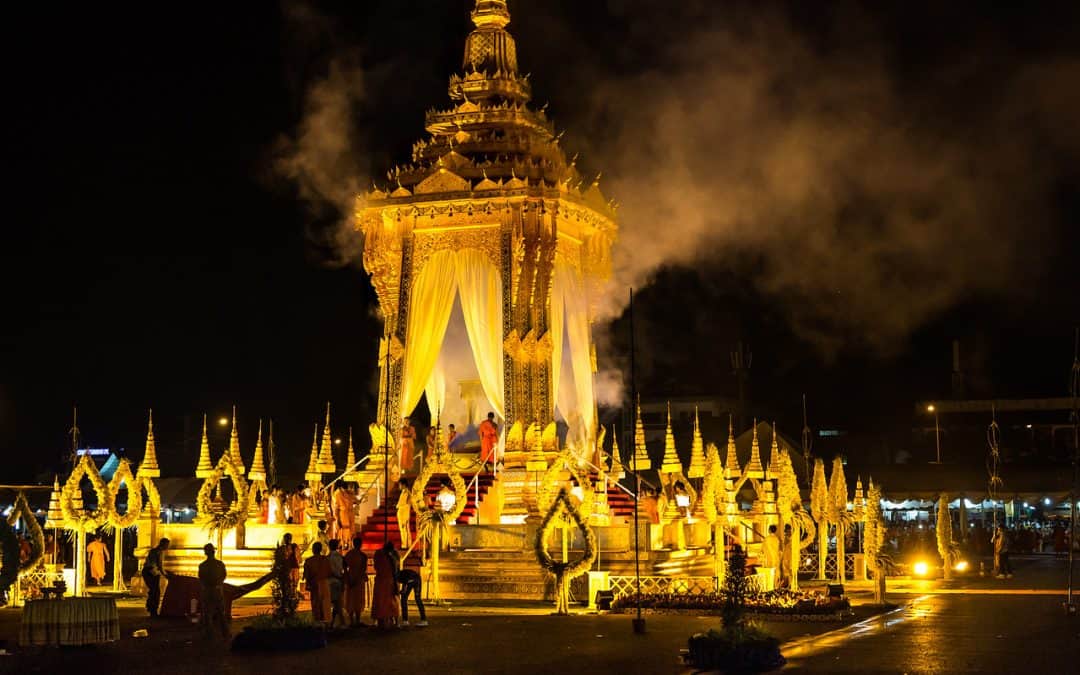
x: 158, y: 257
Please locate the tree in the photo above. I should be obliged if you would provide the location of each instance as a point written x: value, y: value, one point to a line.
x: 944, y: 535
x: 736, y: 588
x: 874, y: 540
x: 837, y: 512
x: 819, y: 505
x: 789, y: 507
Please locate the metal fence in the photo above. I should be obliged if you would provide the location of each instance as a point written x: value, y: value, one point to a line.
x: 809, y: 564
x: 627, y: 585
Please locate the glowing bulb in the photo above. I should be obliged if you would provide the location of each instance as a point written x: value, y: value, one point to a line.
x: 921, y: 568
x: 1047, y: 501
x: 222, y: 421
x: 961, y: 566
x: 337, y: 441
x: 930, y: 408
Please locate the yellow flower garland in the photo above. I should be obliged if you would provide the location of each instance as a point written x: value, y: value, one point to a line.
x: 83, y: 520
x: 238, y: 510
x: 21, y: 509
x: 124, y: 476
x: 549, y: 487
x: 461, y: 495
x: 564, y: 572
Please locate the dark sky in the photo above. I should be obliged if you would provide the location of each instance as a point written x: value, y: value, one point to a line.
x: 156, y: 258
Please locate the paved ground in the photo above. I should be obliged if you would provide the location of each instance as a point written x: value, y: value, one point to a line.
x: 973, y: 626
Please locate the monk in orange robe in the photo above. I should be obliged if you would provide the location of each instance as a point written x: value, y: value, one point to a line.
x: 98, y: 553
x: 317, y: 580
x: 356, y: 578
x: 489, y: 438
x: 344, y: 511
x: 384, y: 598
x: 408, y: 443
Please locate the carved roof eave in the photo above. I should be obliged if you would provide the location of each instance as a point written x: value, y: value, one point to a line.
x: 374, y: 210
x: 448, y: 121
x: 465, y: 199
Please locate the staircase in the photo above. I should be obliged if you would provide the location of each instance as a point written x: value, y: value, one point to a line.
x: 382, y: 524
x: 492, y: 575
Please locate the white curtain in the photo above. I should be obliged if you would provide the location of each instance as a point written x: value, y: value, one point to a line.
x: 429, y: 312
x: 555, y: 325
x: 570, y: 308
x: 436, y: 388
x: 480, y: 288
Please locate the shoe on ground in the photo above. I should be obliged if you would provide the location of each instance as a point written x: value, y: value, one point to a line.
x: 1008, y: 576
x: 422, y: 624
x: 1001, y: 576
x: 404, y: 623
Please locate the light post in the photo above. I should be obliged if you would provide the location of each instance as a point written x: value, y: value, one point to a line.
x: 937, y: 431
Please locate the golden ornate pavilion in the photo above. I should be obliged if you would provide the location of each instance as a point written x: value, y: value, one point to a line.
x: 491, y: 213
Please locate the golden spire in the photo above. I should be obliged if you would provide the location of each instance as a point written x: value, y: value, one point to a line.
x: 350, y: 461
x: 326, y: 454
x: 731, y: 463
x: 234, y: 444
x: 774, y: 450
x: 491, y: 14
x: 697, y: 451
x: 313, y: 473
x: 205, y: 467
x: 617, y: 470
x: 754, y: 467
x: 149, y: 466
x: 671, y: 463
x: 55, y: 518
x: 258, y: 469
x: 641, y: 453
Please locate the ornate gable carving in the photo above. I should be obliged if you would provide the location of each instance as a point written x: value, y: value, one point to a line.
x: 442, y: 180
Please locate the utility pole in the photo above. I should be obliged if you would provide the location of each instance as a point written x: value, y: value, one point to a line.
x: 1074, y: 386
x: 639, y: 622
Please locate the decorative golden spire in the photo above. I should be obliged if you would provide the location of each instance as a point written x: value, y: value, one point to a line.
x: 313, y: 473
x: 205, y: 466
x: 490, y: 14
x: 234, y: 444
x: 671, y: 463
x: 774, y: 449
x: 258, y: 469
x: 350, y: 462
x: 731, y: 463
x: 641, y: 453
x: 617, y: 471
x: 753, y: 467
x: 697, y: 451
x: 326, y: 453
x: 149, y: 466
x: 55, y: 518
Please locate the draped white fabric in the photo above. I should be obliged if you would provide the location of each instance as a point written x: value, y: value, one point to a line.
x: 570, y: 310
x: 429, y: 312
x: 436, y: 388
x: 555, y: 325
x: 480, y: 288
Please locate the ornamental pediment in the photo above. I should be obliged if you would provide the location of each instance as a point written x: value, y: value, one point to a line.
x: 442, y: 180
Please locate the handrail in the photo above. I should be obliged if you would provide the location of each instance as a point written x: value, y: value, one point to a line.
x: 326, y: 487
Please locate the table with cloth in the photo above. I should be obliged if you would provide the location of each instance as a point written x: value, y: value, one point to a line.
x: 70, y: 621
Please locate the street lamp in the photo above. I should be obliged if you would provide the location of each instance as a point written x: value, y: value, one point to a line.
x: 223, y: 421
x: 937, y: 431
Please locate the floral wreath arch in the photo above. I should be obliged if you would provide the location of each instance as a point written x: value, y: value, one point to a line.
x: 562, y: 505
x: 79, y: 519
x: 566, y: 460
x: 21, y: 509
x: 123, y: 476
x: 238, y: 510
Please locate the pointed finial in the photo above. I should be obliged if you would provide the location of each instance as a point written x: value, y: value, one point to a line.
x: 731, y: 462
x: 149, y: 466
x: 671, y: 463
x: 697, y: 451
x: 205, y: 467
x: 350, y: 461
x: 312, y: 473
x: 258, y: 467
x: 753, y: 467
x: 234, y: 444
x: 326, y: 454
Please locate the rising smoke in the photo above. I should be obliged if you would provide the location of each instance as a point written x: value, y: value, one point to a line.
x: 864, y: 205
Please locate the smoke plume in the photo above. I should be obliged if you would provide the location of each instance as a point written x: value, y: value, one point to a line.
x: 864, y: 205
x: 324, y: 157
